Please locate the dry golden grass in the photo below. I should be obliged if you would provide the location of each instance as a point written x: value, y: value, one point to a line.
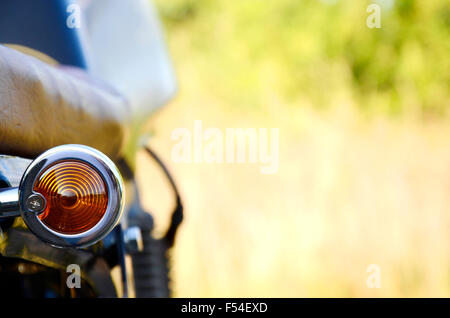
x: 349, y: 192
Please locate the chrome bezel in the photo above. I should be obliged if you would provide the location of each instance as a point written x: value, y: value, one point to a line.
x: 104, y: 166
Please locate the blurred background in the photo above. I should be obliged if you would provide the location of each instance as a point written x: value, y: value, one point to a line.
x: 364, y: 152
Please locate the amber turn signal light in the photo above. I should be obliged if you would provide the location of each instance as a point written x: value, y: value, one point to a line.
x: 76, y: 197
x: 71, y: 195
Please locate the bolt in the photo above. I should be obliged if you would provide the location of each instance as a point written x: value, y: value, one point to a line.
x: 133, y: 240
x: 35, y: 203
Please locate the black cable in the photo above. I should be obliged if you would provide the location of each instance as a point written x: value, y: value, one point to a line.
x: 177, y: 215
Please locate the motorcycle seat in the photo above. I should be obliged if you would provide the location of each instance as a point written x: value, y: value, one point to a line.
x: 42, y: 106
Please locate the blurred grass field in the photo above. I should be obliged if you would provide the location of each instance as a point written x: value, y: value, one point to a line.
x: 364, y: 171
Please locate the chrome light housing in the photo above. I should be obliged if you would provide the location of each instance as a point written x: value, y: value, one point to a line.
x: 71, y: 196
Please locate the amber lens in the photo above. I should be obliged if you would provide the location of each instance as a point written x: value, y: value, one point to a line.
x: 76, y: 195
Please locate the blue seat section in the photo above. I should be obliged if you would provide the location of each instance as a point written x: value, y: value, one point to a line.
x: 42, y: 25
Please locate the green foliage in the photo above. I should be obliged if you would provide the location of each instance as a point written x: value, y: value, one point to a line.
x: 247, y: 50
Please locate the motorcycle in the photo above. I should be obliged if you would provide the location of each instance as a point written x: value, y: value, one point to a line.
x: 72, y: 214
